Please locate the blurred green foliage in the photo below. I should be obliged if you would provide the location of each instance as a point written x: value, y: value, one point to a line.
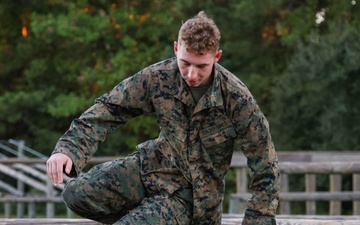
x: 299, y: 58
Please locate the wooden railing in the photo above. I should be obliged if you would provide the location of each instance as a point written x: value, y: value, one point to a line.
x: 310, y: 164
x: 32, y: 172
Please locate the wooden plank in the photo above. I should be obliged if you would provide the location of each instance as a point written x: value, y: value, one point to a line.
x: 335, y: 186
x: 284, y: 187
x: 10, y: 188
x: 310, y: 186
x: 333, y: 156
x: 241, y: 187
x: 39, y: 198
x: 7, y: 209
x: 308, y: 196
x: 94, y: 160
x: 20, y: 176
x: 356, y: 187
x: 238, y: 160
x: 30, y: 170
x: 31, y: 210
x: 320, y: 167
x: 226, y: 220
x: 48, y: 222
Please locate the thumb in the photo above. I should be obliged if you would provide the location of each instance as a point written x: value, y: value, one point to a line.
x: 68, y: 166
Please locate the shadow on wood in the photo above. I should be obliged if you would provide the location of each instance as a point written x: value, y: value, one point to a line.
x: 228, y: 219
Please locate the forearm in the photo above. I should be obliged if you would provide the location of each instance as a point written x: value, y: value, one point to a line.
x: 264, y: 183
x: 125, y: 101
x: 255, y: 141
x: 81, y: 141
x: 265, y: 193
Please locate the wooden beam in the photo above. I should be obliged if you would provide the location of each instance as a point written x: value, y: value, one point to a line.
x: 226, y: 220
x: 38, y: 198
x: 30, y: 170
x: 335, y: 186
x: 10, y: 188
x: 48, y: 222
x: 20, y: 176
x: 310, y: 186
x: 320, y: 167
x: 308, y: 196
x: 94, y: 160
x: 356, y: 187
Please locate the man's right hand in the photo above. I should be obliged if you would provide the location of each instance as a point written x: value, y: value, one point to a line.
x: 55, y: 167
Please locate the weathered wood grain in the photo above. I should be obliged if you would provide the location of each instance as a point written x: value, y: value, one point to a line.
x: 228, y: 219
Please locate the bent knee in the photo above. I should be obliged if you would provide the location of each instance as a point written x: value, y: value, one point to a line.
x: 70, y: 194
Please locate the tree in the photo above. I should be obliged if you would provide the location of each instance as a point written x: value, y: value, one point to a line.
x: 57, y: 57
x: 68, y: 54
x: 317, y: 96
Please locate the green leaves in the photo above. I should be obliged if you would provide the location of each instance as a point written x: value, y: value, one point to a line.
x: 68, y: 105
x: 72, y: 52
x: 316, y: 99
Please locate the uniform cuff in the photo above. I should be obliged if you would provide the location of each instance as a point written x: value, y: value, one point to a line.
x: 255, y: 218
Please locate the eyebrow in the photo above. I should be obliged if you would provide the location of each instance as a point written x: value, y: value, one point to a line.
x: 204, y: 64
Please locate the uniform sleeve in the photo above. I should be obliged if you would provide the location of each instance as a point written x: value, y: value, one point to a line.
x: 254, y: 139
x: 127, y: 100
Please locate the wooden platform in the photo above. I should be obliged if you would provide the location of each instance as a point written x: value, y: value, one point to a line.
x: 48, y: 222
x: 227, y: 220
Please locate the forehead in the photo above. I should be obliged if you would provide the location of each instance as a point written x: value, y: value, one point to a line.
x: 192, y: 57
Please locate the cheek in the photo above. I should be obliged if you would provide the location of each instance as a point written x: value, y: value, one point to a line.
x: 183, y: 70
x: 206, y: 72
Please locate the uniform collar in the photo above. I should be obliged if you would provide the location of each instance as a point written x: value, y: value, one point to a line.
x: 183, y: 91
x: 212, y: 98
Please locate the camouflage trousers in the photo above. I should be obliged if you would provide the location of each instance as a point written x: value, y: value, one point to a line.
x: 117, y: 192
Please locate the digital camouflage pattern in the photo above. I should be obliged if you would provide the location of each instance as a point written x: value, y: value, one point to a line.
x: 195, y: 144
x: 114, y: 190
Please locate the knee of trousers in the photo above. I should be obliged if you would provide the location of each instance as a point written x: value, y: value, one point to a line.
x: 69, y: 197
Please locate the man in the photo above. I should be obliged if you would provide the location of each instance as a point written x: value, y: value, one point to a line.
x: 178, y: 178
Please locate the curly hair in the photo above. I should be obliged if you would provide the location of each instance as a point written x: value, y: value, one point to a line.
x: 200, y: 34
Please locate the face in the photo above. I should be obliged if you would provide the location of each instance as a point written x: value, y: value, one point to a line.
x: 194, y: 68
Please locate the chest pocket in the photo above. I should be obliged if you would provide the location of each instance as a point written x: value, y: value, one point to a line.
x: 174, y: 127
x: 218, y: 140
x: 219, y: 133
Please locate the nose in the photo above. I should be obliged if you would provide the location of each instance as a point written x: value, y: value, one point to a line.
x: 192, y: 73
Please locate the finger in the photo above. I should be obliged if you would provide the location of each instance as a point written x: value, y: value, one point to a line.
x: 54, y: 173
x: 48, y: 167
x: 68, y: 167
x: 59, y: 173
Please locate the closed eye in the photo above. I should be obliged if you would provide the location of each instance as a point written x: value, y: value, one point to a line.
x: 201, y: 66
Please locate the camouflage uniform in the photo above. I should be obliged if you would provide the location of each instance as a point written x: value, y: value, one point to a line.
x: 177, y: 178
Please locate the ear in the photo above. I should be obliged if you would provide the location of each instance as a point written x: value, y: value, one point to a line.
x: 218, y: 56
x: 175, y: 48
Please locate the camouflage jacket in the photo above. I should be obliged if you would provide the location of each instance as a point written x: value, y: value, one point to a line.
x: 197, y: 138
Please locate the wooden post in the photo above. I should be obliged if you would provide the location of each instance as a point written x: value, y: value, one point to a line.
x: 20, y: 185
x: 69, y: 213
x: 243, y: 187
x: 284, y: 205
x: 335, y: 186
x: 50, y: 208
x: 31, y: 210
x: 237, y: 206
x: 310, y: 186
x: 7, y: 209
x: 356, y: 187
x: 242, y: 181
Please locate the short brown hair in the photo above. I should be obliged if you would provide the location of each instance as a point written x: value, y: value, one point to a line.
x: 200, y: 34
